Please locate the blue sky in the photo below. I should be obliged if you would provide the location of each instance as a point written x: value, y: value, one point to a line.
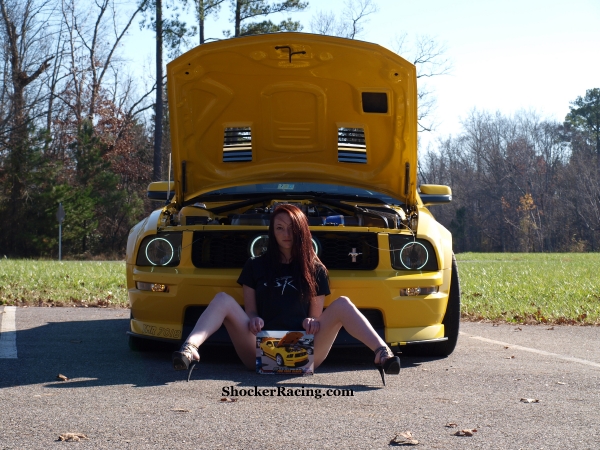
x: 506, y: 55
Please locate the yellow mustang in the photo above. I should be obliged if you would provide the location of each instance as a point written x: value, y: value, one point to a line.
x: 284, y: 351
x: 327, y: 124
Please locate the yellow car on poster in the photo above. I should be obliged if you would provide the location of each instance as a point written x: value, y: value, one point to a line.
x: 284, y: 351
x: 327, y: 124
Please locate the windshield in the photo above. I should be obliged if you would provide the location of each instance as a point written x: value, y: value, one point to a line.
x: 316, y: 189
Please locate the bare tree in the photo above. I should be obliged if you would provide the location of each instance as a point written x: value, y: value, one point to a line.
x: 508, y: 176
x: 349, y: 25
x: 429, y: 56
x: 27, y: 55
x: 94, y: 33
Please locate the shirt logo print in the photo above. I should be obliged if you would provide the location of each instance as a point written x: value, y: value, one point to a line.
x: 287, y: 281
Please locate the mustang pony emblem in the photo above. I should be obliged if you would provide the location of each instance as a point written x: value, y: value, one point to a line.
x: 354, y: 254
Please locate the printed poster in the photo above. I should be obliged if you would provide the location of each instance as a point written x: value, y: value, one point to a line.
x: 284, y: 352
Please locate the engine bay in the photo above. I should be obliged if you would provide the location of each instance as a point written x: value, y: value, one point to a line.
x: 319, y: 212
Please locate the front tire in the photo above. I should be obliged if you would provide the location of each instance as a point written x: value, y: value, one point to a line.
x: 279, y: 360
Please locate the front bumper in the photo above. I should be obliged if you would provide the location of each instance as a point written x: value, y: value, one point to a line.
x: 403, y: 320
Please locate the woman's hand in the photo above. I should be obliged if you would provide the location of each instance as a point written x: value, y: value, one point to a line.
x: 255, y: 325
x: 311, y: 325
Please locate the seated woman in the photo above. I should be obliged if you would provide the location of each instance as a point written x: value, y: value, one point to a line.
x: 284, y: 289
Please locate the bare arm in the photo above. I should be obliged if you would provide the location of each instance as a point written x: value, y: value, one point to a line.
x: 256, y: 323
x: 311, y: 323
x: 316, y: 307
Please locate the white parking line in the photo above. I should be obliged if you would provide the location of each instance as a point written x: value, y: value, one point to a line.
x: 8, y: 334
x: 533, y: 350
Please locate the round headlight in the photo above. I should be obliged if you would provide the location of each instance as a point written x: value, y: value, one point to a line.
x: 159, y: 252
x: 259, y: 245
x: 316, y: 246
x: 414, y: 255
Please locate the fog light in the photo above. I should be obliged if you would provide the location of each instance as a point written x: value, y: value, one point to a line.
x: 159, y: 287
x: 412, y: 291
x: 154, y: 287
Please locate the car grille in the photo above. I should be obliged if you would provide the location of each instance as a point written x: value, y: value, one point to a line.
x: 221, y: 249
x: 338, y: 250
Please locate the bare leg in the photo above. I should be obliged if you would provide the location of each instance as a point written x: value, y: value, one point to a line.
x: 342, y: 312
x: 223, y: 309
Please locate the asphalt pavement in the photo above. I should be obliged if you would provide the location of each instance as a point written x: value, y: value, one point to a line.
x: 519, y: 387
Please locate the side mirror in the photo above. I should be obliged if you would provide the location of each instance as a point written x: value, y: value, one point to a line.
x: 435, y: 194
x: 160, y: 189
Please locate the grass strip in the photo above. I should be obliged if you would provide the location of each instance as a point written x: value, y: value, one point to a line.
x: 53, y: 283
x: 556, y: 288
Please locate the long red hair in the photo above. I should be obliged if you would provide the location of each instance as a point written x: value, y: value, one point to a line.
x: 304, y: 259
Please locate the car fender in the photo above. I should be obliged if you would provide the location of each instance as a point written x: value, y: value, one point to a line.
x: 142, y: 229
x: 439, y: 236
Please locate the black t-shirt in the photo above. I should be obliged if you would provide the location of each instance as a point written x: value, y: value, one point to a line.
x: 278, y: 298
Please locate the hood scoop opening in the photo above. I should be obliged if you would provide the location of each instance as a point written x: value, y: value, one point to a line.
x: 237, y: 144
x: 352, y: 146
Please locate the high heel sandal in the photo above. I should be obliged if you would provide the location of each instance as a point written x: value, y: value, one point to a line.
x: 183, y: 359
x: 388, y: 363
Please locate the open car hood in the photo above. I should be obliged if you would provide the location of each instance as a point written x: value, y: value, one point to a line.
x: 290, y: 339
x: 291, y: 107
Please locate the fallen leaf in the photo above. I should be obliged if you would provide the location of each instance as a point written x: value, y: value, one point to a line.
x: 560, y: 382
x: 61, y: 377
x: 551, y: 328
x: 180, y: 410
x: 404, y: 438
x: 466, y: 432
x: 518, y: 329
x: 229, y: 399
x: 451, y: 425
x: 72, y: 437
x: 510, y: 357
x: 506, y: 347
x: 530, y: 400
